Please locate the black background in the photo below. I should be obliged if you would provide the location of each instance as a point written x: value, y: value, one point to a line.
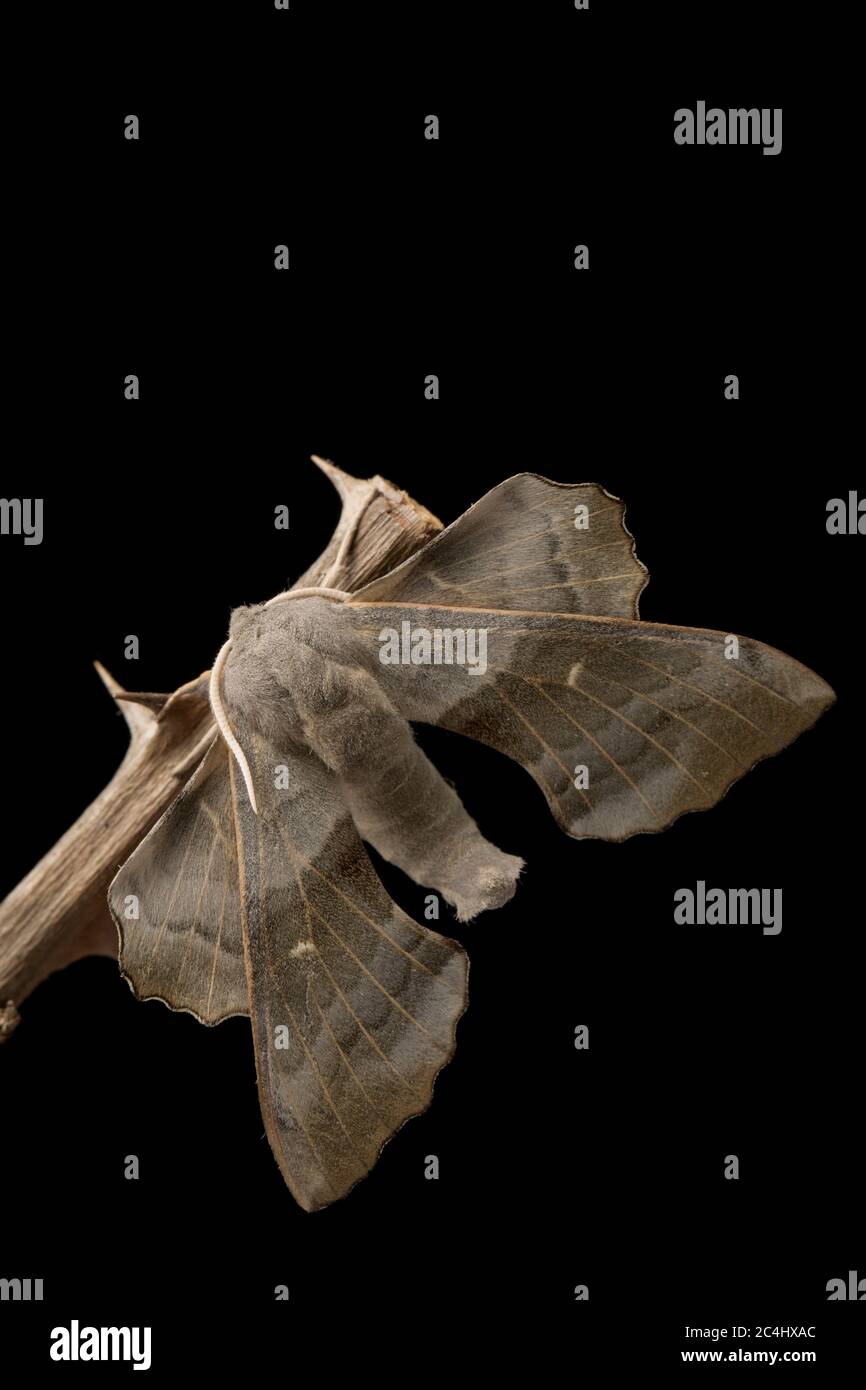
x: 455, y: 257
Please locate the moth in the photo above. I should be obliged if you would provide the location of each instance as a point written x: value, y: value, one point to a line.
x: 254, y: 893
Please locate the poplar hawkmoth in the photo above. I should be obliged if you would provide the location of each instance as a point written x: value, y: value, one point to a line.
x: 254, y: 890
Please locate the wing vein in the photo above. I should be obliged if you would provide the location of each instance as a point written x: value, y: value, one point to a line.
x: 601, y: 748
x: 314, y: 1064
x: 532, y: 729
x: 643, y: 733
x: 370, y: 1039
x: 397, y: 1005
x: 665, y: 710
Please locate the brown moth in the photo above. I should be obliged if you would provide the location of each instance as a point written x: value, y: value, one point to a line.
x: 254, y: 893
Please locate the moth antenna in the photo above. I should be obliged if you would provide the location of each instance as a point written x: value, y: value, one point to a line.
x: 223, y: 725
x: 320, y: 591
x: 343, y: 550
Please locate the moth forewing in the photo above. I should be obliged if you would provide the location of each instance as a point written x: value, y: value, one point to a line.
x: 176, y: 906
x: 624, y: 725
x: 354, y: 1006
x: 528, y: 543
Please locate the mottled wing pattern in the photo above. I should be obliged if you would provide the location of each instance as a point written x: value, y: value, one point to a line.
x: 659, y: 716
x: 354, y: 1006
x: 519, y: 547
x: 185, y: 947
